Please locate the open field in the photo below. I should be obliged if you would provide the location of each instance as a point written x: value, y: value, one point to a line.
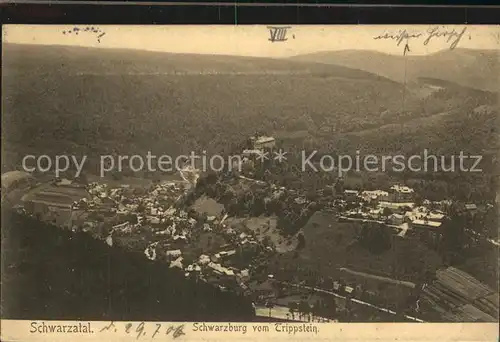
x: 208, y: 206
x: 53, y: 195
x: 331, y: 246
x: 264, y: 228
x: 375, y: 277
x: 336, y: 242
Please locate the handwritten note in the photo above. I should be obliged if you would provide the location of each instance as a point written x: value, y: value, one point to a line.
x: 496, y: 36
x: 278, y: 34
x: 149, y: 330
x: 97, y: 32
x: 452, y: 37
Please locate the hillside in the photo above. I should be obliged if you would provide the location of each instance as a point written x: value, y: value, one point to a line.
x: 446, y: 132
x: 80, y: 61
x: 473, y: 68
x: 95, y: 101
x: 59, y: 99
x: 50, y: 273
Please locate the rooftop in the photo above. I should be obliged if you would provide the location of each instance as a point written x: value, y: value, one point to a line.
x: 396, y: 205
x: 470, y: 206
x: 402, y: 189
x: 263, y: 139
x: 432, y: 224
x: 375, y: 193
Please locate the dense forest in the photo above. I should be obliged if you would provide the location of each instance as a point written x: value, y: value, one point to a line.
x: 95, y: 102
x: 49, y: 273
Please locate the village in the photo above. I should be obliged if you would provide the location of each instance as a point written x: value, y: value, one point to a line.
x: 207, y: 237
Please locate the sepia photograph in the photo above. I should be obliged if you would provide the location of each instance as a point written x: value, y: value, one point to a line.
x: 218, y: 175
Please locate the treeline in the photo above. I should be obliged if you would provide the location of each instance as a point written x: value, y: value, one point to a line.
x: 464, y: 243
x: 50, y: 273
x: 258, y: 199
x: 133, y: 114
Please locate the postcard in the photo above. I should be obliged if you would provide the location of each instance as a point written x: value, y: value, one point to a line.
x: 250, y: 182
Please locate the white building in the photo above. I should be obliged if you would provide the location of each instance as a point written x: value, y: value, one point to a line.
x: 204, y: 259
x: 471, y: 207
x: 262, y: 142
x: 351, y: 195
x: 434, y: 216
x: 374, y: 195
x: 219, y: 269
x: 174, y: 253
x: 429, y: 229
x: 251, y: 153
x: 396, y: 205
x: 401, y: 193
x: 425, y: 224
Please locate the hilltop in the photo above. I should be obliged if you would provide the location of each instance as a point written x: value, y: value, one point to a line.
x: 473, y: 68
x: 73, y: 60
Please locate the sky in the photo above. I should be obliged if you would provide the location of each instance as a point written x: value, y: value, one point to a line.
x: 253, y: 40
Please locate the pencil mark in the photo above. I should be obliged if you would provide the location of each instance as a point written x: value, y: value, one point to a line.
x: 495, y: 35
x: 100, y: 36
x: 176, y: 331
x: 109, y: 327
x: 399, y: 36
x: 86, y: 30
x: 278, y: 34
x: 407, y: 49
x: 452, y: 36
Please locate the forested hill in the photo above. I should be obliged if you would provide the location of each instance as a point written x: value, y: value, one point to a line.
x: 50, y: 273
x: 59, y: 99
x: 88, y: 101
x: 479, y: 69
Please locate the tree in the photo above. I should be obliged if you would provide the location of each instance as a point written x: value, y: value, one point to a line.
x: 266, y: 241
x: 292, y: 308
x: 316, y: 309
x: 387, y: 212
x: 339, y: 187
x: 418, y: 200
x: 312, y: 195
x: 328, y: 191
x: 375, y: 237
x: 132, y: 218
x: 301, y: 241
x: 269, y: 305
x: 117, y: 175
x: 338, y: 238
x: 82, y: 178
x: 454, y: 238
x: 141, y: 208
x: 331, y: 308
x: 303, y: 308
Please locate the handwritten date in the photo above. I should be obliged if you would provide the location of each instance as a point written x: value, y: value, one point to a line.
x: 144, y: 330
